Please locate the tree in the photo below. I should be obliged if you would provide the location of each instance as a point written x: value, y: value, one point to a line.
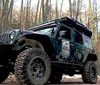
x: 36, y: 15
x: 47, y: 10
x: 0, y: 9
x: 70, y: 8
x: 28, y: 6
x: 40, y: 12
x: 10, y: 12
x: 6, y: 12
x: 78, y: 6
x: 50, y: 17
x: 4, y: 18
x: 43, y: 13
x: 57, y: 14
x: 21, y: 13
x: 61, y: 8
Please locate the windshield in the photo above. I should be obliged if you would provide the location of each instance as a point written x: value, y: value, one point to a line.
x: 47, y: 31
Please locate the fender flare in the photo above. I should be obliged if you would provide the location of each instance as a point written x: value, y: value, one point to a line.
x: 25, y: 42
x: 90, y: 57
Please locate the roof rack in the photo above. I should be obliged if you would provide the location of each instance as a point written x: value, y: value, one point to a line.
x: 42, y: 25
x: 76, y: 25
x: 69, y: 21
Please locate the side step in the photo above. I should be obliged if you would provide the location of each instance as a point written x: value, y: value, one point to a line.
x: 66, y: 65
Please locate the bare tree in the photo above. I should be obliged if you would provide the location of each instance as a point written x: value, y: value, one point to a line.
x: 10, y: 11
x: 43, y: 13
x: 78, y: 9
x: 56, y: 9
x: 4, y: 18
x: 1, y: 2
x: 50, y: 10
x: 27, y: 14
x: 7, y: 7
x: 36, y: 15
x: 0, y: 6
x: 61, y: 8
x: 47, y: 10
x: 21, y: 13
x: 40, y: 11
x: 70, y: 8
x: 27, y: 11
x: 96, y: 17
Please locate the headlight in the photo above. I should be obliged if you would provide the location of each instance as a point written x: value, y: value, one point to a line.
x: 12, y: 35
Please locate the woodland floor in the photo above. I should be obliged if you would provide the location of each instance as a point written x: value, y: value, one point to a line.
x: 65, y: 81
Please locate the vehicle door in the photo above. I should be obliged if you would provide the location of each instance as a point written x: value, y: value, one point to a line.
x: 78, y: 47
x: 65, y: 40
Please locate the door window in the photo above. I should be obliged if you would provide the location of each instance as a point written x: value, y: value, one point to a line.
x: 67, y: 33
x: 78, y: 38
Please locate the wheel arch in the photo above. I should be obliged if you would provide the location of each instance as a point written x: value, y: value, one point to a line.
x: 23, y: 43
x: 37, y: 41
x: 91, y: 57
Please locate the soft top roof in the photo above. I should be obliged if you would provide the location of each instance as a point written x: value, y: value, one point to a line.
x: 68, y: 21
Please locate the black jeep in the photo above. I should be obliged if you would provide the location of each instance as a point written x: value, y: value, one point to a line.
x: 45, y: 52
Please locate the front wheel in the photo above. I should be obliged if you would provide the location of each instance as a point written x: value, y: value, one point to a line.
x: 32, y: 67
x: 89, y: 74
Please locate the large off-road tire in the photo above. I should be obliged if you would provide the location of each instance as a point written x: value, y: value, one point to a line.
x: 3, y: 74
x: 89, y: 74
x: 32, y: 67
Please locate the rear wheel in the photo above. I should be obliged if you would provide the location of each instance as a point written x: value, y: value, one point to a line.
x: 89, y: 74
x: 32, y: 67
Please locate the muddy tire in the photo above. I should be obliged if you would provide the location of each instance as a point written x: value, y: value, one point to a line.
x: 89, y: 74
x: 32, y: 67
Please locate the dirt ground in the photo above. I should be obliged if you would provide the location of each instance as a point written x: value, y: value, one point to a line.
x: 64, y: 81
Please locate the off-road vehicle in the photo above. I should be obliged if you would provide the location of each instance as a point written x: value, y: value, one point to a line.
x: 42, y: 54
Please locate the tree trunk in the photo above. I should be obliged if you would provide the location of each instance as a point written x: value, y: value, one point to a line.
x: 10, y: 11
x: 70, y: 8
x: 40, y: 12
x: 77, y: 12
x: 61, y: 8
x: 74, y: 9
x: 43, y: 14
x: 27, y: 11
x: 96, y: 17
x: 5, y: 14
x: 56, y: 9
x: 47, y: 10
x: 36, y: 15
x: 0, y: 11
x: 21, y: 14
x: 50, y: 11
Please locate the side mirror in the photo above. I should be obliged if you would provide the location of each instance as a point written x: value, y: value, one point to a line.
x: 63, y: 33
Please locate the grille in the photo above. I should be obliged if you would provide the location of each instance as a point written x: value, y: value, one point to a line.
x: 5, y: 38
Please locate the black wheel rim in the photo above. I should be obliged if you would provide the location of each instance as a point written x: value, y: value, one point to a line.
x: 93, y: 73
x: 37, y: 68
